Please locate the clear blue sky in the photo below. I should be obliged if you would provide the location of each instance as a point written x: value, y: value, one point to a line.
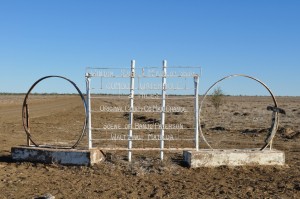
x: 258, y: 37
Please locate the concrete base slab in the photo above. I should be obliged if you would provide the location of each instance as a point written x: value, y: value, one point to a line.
x: 235, y: 157
x: 59, y: 156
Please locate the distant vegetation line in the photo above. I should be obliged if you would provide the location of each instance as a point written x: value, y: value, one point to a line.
x: 12, y: 93
x: 8, y: 93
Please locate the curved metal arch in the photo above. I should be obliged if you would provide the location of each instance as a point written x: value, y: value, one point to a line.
x: 275, y: 119
x: 25, y: 105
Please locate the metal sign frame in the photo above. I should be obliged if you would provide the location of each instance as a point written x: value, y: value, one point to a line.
x: 163, y: 75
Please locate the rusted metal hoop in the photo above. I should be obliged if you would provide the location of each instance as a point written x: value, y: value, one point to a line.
x: 25, y: 116
x: 275, y: 119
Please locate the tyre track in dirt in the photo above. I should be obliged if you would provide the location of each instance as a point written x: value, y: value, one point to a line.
x: 45, y: 108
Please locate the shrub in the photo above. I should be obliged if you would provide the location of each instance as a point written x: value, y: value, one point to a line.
x: 217, y: 98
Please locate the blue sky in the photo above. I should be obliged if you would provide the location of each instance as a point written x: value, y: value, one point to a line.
x: 260, y: 38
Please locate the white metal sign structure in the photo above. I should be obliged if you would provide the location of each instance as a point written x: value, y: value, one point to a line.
x: 143, y: 108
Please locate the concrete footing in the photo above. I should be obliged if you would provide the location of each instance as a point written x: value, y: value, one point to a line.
x: 59, y: 156
x: 235, y: 157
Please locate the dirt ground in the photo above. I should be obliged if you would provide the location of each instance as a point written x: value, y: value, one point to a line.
x: 241, y: 122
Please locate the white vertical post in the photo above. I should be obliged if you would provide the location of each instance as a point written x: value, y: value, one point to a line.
x: 89, y: 124
x: 131, y: 109
x: 196, y: 83
x: 163, y: 109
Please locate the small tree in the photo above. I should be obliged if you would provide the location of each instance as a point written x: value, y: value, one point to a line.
x: 217, y: 98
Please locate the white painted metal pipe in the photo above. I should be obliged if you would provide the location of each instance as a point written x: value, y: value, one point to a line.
x: 163, y: 108
x: 131, y: 109
x: 88, y: 92
x: 196, y: 83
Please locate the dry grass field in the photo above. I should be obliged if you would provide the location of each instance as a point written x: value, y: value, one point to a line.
x: 241, y: 122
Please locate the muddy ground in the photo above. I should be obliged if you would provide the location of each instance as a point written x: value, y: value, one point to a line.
x: 241, y: 122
